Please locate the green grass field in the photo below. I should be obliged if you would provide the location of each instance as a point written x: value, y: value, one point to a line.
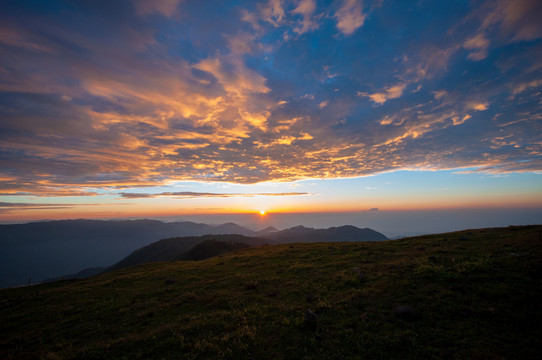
x: 476, y: 294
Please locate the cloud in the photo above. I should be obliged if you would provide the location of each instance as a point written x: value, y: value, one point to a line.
x: 430, y: 61
x: 395, y: 119
x: 439, y: 94
x: 7, y: 207
x: 242, y: 43
x: 519, y: 19
x: 191, y: 195
x: 233, y: 75
x: 251, y: 18
x: 19, y: 38
x: 392, y: 92
x: 350, y: 16
x: 273, y: 12
x: 477, y: 106
x: 479, y: 43
x: 460, y: 120
x: 14, y: 186
x: 164, y: 7
x: 306, y: 9
x: 521, y: 87
x: 284, y: 140
x: 516, y: 20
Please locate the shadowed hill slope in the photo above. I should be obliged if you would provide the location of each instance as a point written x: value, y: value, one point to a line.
x: 473, y: 294
x: 174, y: 248
x: 210, y: 248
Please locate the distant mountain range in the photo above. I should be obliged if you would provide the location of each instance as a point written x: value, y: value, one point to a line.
x: 341, y: 233
x: 44, y: 250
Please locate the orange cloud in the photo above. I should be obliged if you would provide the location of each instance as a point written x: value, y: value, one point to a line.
x: 350, y: 17
x: 306, y: 9
x: 392, y: 92
x: 479, y: 43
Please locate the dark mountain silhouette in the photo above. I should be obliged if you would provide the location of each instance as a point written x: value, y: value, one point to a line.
x: 232, y: 228
x: 44, y: 250
x: 341, y: 233
x: 268, y: 230
x: 176, y: 248
x: 192, y: 247
x: 210, y: 248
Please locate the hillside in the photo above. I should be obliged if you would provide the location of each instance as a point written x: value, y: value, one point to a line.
x: 473, y: 294
x: 210, y: 248
x: 85, y: 273
x: 175, y: 248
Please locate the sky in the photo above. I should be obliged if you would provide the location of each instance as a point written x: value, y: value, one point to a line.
x: 172, y: 108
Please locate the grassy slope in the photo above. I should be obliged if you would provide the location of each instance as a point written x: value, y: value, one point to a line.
x: 477, y: 294
x: 210, y: 248
x: 174, y: 248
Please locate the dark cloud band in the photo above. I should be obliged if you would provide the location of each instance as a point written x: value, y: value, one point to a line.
x: 190, y: 194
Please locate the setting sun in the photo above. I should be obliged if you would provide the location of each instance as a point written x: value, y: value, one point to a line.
x: 262, y: 212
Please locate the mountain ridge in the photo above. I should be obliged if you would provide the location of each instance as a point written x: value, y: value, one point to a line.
x: 336, y: 233
x: 37, y: 251
x: 174, y: 248
x: 42, y: 250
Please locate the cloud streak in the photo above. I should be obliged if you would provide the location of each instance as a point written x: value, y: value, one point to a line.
x: 6, y: 207
x: 193, y: 195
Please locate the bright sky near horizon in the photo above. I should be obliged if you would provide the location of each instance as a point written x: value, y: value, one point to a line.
x: 135, y: 108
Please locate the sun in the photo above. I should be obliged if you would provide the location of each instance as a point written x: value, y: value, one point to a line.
x: 262, y: 212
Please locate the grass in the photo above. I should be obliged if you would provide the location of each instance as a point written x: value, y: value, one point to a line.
x: 477, y: 294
